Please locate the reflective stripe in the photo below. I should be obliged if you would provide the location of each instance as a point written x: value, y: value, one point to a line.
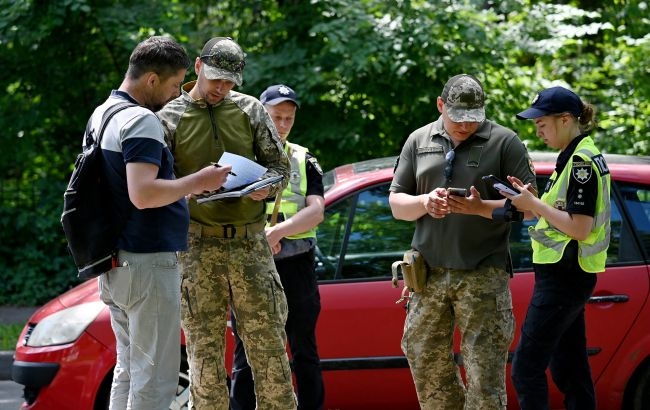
x: 542, y: 236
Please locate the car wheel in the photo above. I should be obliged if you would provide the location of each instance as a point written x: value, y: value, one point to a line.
x: 183, y: 389
x: 637, y: 395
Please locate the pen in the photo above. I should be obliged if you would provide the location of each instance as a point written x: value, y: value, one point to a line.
x: 219, y: 166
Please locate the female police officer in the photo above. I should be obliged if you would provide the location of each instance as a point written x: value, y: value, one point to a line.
x: 569, y: 243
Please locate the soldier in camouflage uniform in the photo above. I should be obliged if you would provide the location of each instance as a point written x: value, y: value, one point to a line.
x: 229, y: 262
x: 465, y: 249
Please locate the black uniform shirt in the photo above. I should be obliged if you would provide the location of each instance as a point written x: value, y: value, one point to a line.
x: 582, y: 192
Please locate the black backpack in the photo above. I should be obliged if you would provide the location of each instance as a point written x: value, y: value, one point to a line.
x: 87, y: 220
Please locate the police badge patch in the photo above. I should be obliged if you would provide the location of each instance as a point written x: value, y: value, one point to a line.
x: 582, y: 171
x: 316, y: 165
x: 294, y: 177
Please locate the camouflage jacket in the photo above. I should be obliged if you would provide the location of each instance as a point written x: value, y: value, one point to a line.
x: 198, y: 133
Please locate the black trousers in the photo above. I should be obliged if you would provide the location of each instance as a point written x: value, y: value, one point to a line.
x: 301, y: 289
x: 553, y: 335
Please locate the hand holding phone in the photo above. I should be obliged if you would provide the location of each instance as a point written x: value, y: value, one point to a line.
x: 500, y: 185
x: 457, y: 191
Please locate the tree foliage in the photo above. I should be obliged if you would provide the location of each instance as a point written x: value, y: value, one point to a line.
x: 368, y: 73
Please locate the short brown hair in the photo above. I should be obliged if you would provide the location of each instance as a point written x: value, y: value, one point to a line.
x: 159, y: 54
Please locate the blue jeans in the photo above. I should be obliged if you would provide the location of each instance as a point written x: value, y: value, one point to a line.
x: 143, y: 295
x: 301, y: 289
x: 553, y: 335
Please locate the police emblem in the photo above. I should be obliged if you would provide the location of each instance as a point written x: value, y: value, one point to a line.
x: 316, y: 165
x: 284, y: 90
x: 582, y: 171
x: 294, y: 177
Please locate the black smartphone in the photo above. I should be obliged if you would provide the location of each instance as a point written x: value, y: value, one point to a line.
x: 500, y: 185
x: 457, y: 191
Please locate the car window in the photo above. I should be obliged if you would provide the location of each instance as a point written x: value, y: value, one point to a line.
x: 363, y: 230
x: 330, y: 236
x: 520, y: 248
x: 636, y: 204
x: 619, y: 227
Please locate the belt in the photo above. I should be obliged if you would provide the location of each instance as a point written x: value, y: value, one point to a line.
x: 228, y: 231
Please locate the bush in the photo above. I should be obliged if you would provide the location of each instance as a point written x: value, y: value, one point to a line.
x: 9, y: 335
x: 34, y: 262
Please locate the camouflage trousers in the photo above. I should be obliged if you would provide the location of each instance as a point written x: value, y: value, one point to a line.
x: 238, y: 272
x: 479, y: 304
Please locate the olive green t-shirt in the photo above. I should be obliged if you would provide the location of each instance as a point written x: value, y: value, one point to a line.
x: 460, y: 241
x: 198, y: 133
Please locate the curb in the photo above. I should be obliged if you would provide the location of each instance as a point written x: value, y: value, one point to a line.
x: 6, y: 361
x: 12, y: 315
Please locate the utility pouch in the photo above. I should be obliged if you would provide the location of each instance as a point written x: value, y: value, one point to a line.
x: 413, y: 269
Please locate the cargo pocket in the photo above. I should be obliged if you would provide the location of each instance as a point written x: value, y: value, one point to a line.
x: 279, y: 300
x: 504, y: 308
x: 504, y: 300
x: 187, y: 299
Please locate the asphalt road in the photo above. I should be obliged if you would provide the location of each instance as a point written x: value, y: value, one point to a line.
x: 11, y: 395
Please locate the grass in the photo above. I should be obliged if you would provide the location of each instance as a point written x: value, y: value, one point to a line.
x: 9, y: 336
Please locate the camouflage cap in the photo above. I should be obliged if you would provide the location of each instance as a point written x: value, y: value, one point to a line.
x: 464, y: 99
x: 223, y: 60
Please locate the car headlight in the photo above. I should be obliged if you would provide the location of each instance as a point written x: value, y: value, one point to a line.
x: 64, y: 326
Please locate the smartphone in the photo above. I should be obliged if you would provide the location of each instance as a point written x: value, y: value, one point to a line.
x: 500, y: 185
x: 457, y: 191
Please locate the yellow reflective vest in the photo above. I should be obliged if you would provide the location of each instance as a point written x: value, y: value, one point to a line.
x: 294, y: 195
x: 549, y: 243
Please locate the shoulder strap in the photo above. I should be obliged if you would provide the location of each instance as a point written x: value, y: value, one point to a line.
x: 108, y: 114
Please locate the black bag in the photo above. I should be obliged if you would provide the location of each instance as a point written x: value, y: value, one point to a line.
x: 87, y: 218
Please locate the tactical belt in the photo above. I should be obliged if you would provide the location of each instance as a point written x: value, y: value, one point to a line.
x: 228, y: 231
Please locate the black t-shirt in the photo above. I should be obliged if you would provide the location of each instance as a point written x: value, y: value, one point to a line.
x: 314, y: 176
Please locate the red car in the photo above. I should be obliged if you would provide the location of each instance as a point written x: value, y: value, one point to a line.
x: 66, y: 352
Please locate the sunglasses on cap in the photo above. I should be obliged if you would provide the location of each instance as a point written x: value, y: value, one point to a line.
x: 449, y: 168
x: 219, y: 62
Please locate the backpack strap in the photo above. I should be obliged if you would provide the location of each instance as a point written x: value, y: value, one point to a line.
x: 108, y: 114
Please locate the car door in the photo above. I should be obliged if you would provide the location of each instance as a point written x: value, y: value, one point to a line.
x: 621, y: 291
x: 360, y: 325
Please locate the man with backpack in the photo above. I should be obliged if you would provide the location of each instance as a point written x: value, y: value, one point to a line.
x: 142, y: 289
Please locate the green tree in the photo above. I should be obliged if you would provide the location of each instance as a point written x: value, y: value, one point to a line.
x: 62, y: 59
x: 368, y: 73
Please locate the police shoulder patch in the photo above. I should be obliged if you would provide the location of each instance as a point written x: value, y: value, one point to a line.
x: 581, y: 171
x: 316, y: 165
x: 600, y: 164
